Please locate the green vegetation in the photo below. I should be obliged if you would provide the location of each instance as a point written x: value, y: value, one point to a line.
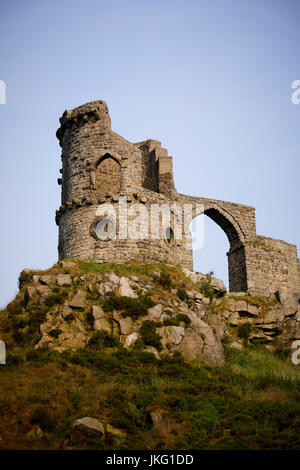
x: 101, y: 339
x: 253, y: 402
x: 130, y: 307
x: 56, y: 298
x: 55, y: 332
x: 244, y: 330
x: 182, y: 294
x: 149, y: 335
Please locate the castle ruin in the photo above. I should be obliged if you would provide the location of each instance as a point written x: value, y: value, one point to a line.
x: 100, y: 167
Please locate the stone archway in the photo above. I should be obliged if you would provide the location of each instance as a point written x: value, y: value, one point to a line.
x: 108, y: 175
x: 237, y: 271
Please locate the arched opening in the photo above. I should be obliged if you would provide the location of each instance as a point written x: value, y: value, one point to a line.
x: 220, y: 251
x: 108, y: 176
x: 209, y: 253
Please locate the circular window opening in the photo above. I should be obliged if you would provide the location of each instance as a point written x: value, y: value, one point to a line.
x: 169, y: 235
x: 105, y: 229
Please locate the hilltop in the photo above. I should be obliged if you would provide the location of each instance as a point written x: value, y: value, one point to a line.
x: 146, y: 356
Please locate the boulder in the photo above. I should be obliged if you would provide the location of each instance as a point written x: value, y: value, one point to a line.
x: 290, y: 306
x: 90, y: 424
x: 43, y: 292
x: 157, y: 419
x: 106, y: 288
x: 191, y: 346
x: 64, y: 280
x: 66, y: 311
x: 126, y: 326
x: 130, y: 339
x: 275, y: 314
x: 102, y: 324
x: 113, y: 278
x: 125, y: 288
x: 218, y: 326
x: 155, y: 312
x: 78, y: 300
x: 30, y: 295
x: 47, y: 280
x: 171, y: 336
x: 97, y: 312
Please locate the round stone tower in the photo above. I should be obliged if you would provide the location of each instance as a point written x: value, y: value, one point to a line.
x: 102, y: 171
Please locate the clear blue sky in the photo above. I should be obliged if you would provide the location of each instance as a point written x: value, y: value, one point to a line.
x: 210, y: 79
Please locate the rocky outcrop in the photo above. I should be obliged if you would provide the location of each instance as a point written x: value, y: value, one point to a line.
x: 81, y: 306
x: 79, y: 311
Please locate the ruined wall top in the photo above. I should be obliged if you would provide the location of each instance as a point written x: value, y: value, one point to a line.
x: 77, y: 117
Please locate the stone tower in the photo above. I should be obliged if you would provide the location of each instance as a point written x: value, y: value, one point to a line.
x: 101, y: 170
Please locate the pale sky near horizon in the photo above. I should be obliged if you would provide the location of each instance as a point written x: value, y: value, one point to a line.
x: 210, y: 79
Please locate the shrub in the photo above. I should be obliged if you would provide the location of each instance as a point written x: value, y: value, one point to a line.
x: 15, y: 308
x: 19, y: 337
x: 70, y: 318
x: 133, y: 308
x: 182, y: 317
x: 165, y: 280
x: 14, y: 358
x: 90, y: 319
x: 42, y: 417
x: 55, y: 298
x: 244, y: 330
x: 182, y: 294
x: 149, y: 335
x: 101, y: 339
x: 55, y: 333
x: 206, y: 288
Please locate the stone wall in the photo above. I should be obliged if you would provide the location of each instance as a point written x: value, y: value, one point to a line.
x: 99, y: 166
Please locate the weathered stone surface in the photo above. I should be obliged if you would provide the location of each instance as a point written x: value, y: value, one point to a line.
x: 198, y: 278
x: 171, y: 335
x: 126, y: 325
x: 30, y: 295
x: 218, y: 326
x: 234, y: 319
x: 157, y: 419
x: 90, y: 423
x: 290, y: 306
x: 66, y: 311
x: 44, y: 292
x: 103, y: 324
x: 106, y: 288
x: 275, y: 314
x: 97, y: 312
x: 47, y: 280
x: 67, y: 264
x: 64, y: 280
x: 191, y: 346
x: 125, y: 288
x: 78, y: 300
x: 154, y: 313
x: 130, y: 339
x: 113, y: 278
x: 194, y: 295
